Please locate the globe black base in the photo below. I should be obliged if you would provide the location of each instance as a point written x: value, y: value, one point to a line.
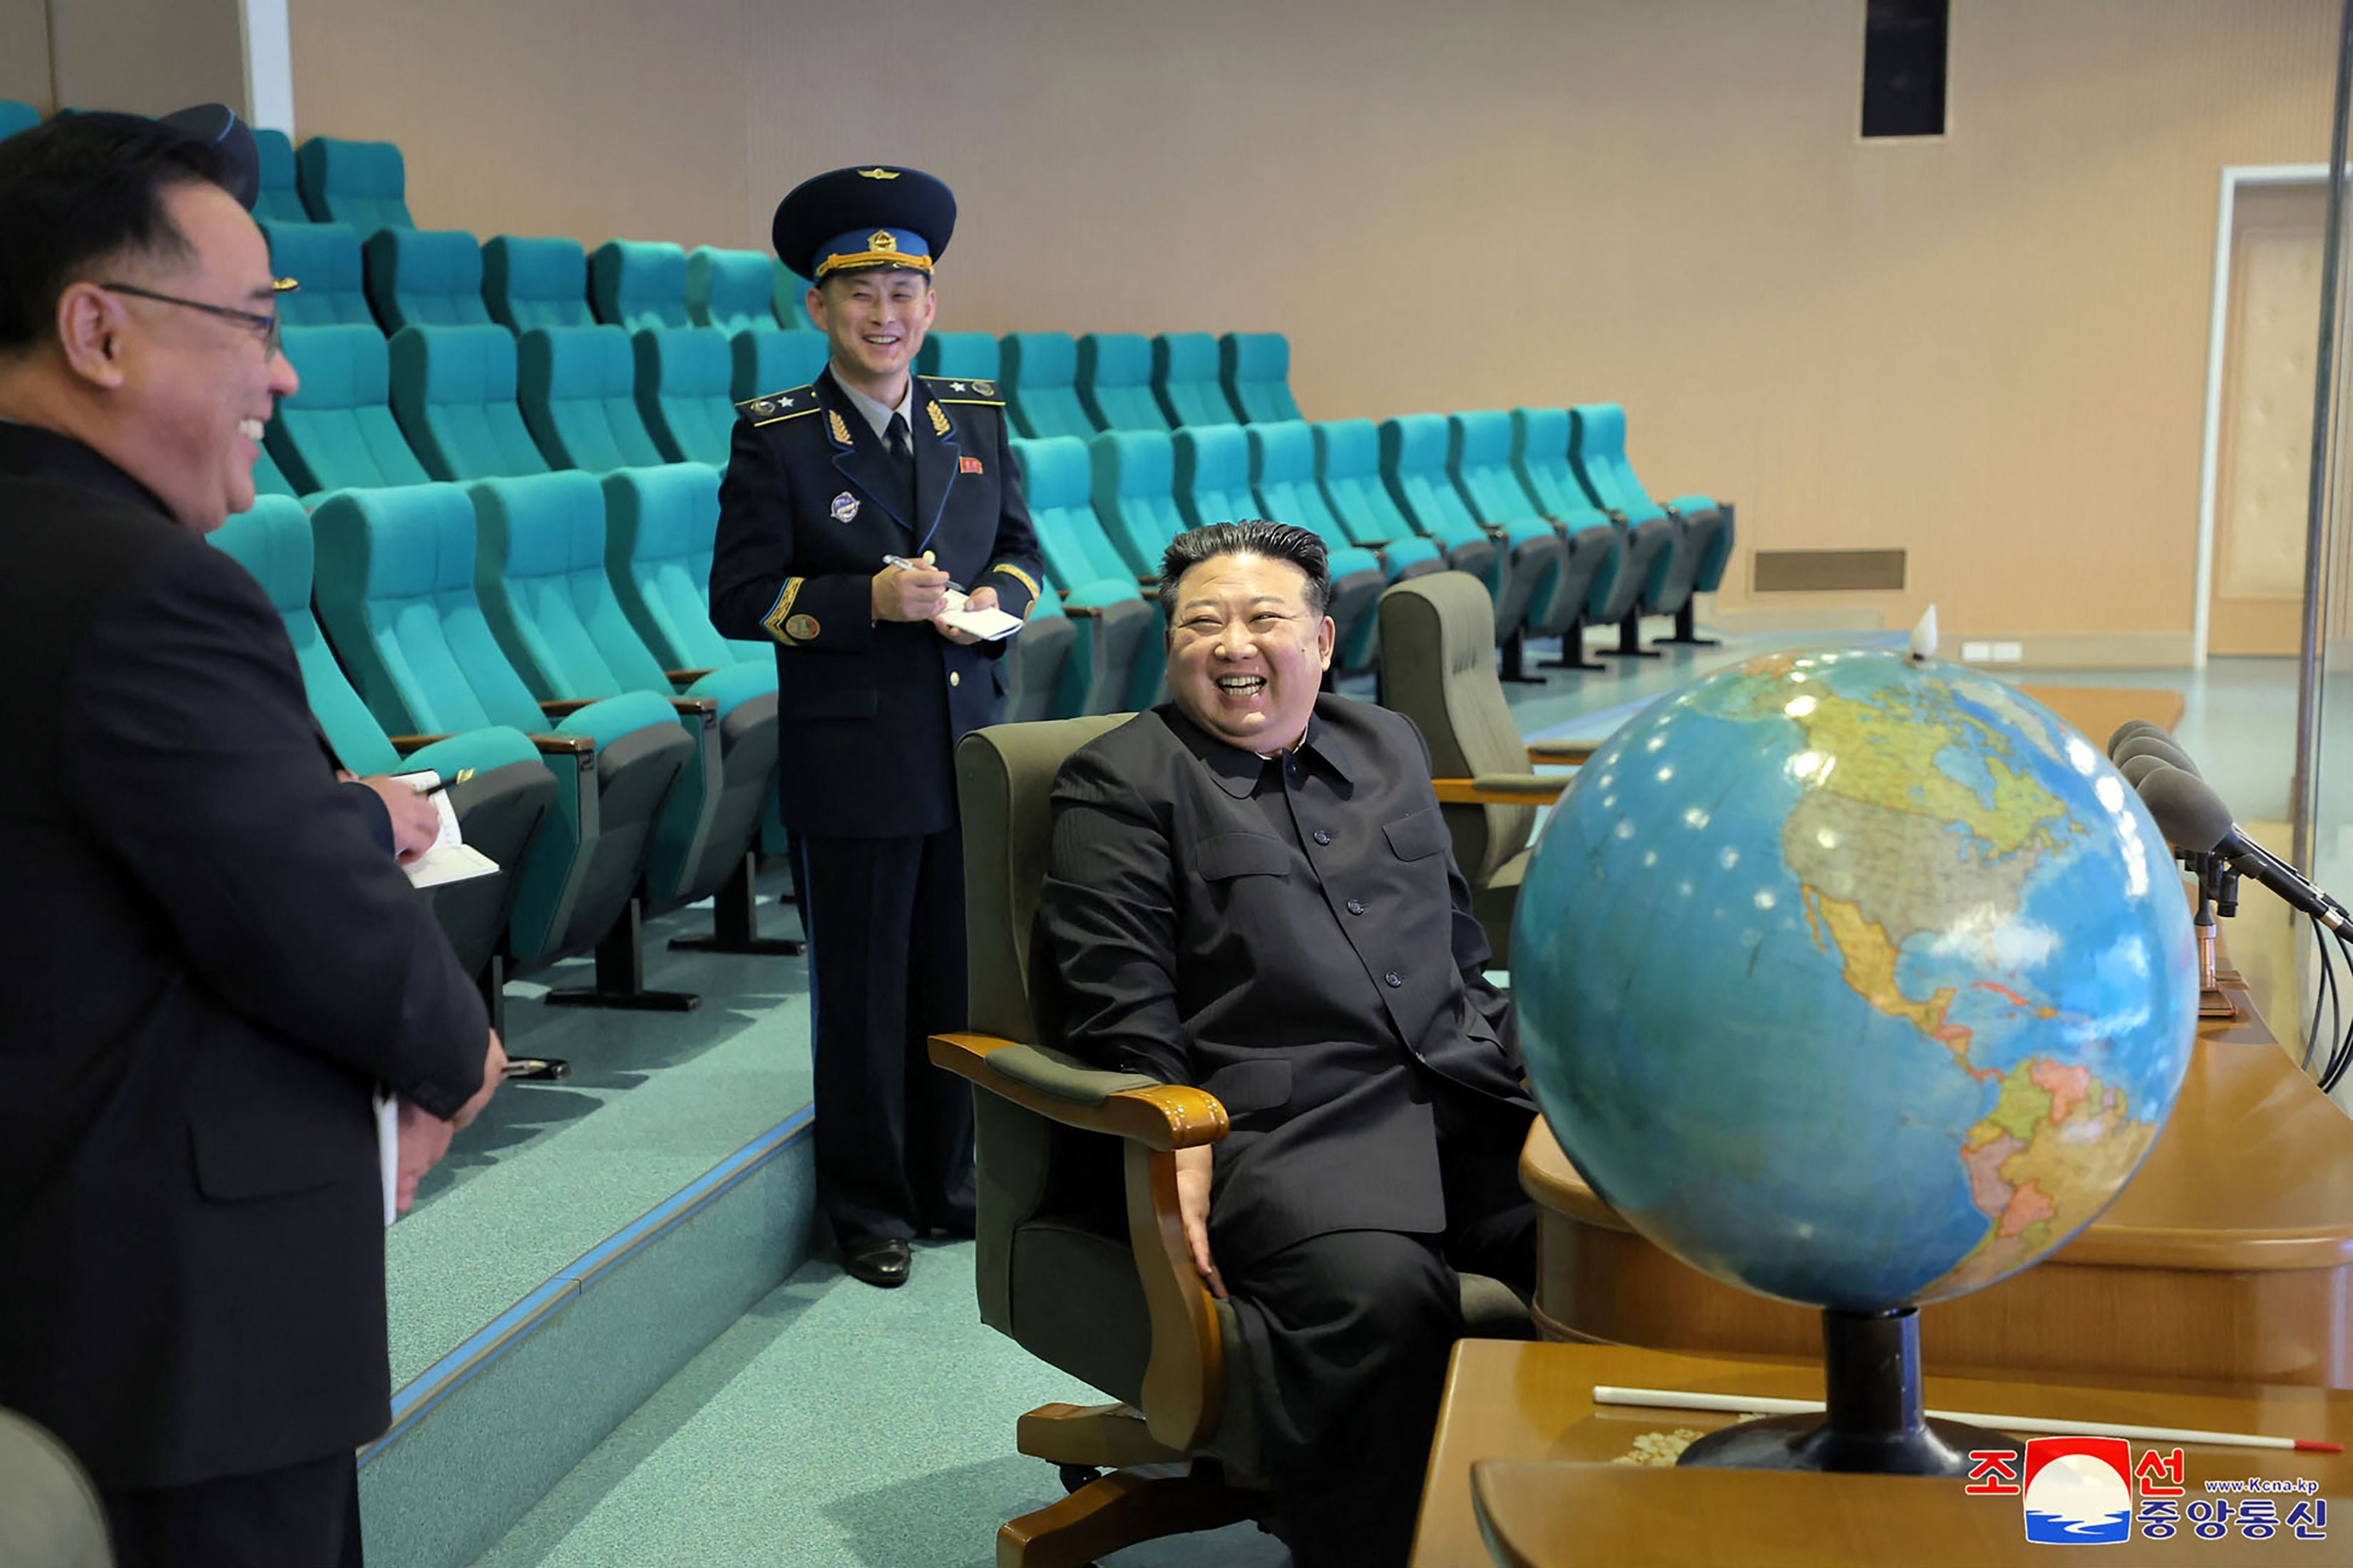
x: 1871, y: 1421
x: 1812, y: 1443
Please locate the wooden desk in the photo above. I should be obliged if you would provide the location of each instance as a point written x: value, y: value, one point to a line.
x: 2097, y: 710
x: 1509, y: 1405
x: 2229, y: 1258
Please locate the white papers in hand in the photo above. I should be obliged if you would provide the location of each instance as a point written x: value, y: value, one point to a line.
x: 988, y: 625
x: 451, y: 858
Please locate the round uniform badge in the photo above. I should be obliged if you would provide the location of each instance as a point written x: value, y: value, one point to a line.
x: 986, y: 389
x: 845, y: 506
x: 765, y: 406
x: 801, y: 629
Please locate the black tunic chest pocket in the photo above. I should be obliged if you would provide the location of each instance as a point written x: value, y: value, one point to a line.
x: 1418, y: 836
x: 1222, y: 857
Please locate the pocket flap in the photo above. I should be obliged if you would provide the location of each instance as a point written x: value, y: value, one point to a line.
x: 1417, y: 835
x: 1225, y: 855
x: 1250, y: 1086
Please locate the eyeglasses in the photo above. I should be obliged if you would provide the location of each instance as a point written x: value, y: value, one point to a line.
x: 268, y: 327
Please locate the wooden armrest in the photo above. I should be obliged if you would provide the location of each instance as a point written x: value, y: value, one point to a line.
x: 564, y: 707
x: 1572, y: 753
x: 684, y: 677
x: 564, y: 745
x: 1149, y: 587
x: 1500, y: 789
x: 1163, y: 1117
x: 404, y: 745
x: 1081, y: 612
x: 699, y: 707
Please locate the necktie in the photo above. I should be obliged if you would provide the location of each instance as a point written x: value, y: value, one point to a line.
x: 896, y: 439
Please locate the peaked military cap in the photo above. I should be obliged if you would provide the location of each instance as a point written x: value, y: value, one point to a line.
x: 872, y: 216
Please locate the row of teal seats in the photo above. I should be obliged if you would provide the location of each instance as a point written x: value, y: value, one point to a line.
x: 473, y: 403
x: 331, y: 180
x: 399, y: 277
x: 556, y: 618
x: 1055, y: 385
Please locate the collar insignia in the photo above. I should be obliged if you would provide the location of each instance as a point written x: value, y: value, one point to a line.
x: 939, y: 420
x: 840, y: 431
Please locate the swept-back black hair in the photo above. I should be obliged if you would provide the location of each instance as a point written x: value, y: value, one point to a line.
x: 79, y: 189
x: 1251, y: 536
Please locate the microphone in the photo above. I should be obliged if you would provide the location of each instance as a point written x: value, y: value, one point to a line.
x: 2132, y: 727
x: 2157, y: 746
x: 2135, y: 769
x: 2194, y: 817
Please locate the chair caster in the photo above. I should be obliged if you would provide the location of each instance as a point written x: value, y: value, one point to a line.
x: 1076, y: 1476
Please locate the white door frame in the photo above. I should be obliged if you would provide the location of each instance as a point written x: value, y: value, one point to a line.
x: 2233, y: 176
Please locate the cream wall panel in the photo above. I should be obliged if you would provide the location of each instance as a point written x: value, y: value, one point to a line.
x: 25, y: 53
x: 150, y: 56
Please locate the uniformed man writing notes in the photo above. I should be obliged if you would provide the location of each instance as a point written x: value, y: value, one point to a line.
x: 1250, y: 889
x: 855, y: 513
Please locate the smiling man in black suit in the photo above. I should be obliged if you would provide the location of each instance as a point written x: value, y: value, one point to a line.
x: 208, y: 961
x: 1251, y: 890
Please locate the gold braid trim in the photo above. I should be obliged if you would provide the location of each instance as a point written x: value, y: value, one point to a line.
x: 776, y: 617
x: 1020, y: 576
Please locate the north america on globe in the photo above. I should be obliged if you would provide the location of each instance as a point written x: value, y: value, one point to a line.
x: 1885, y: 986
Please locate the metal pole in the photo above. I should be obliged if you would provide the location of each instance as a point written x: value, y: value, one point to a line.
x: 2301, y: 796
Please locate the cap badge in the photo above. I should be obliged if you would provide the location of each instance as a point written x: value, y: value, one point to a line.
x: 881, y: 239
x: 845, y: 506
x: 877, y: 173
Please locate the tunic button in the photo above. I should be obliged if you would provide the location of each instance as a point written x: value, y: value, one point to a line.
x: 1356, y: 906
x: 956, y: 678
x: 1323, y: 836
x: 1395, y: 979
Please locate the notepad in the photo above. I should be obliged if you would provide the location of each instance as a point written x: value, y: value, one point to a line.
x: 988, y: 625
x: 451, y: 858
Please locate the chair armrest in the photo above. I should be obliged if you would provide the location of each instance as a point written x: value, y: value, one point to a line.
x: 404, y: 745
x: 564, y: 707
x: 1159, y: 1116
x: 696, y: 707
x: 1500, y: 789
x: 1081, y: 612
x: 1148, y: 586
x: 564, y: 745
x: 1571, y: 753
x: 1184, y: 1379
x: 684, y: 677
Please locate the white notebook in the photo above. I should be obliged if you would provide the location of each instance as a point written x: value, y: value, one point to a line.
x: 451, y: 858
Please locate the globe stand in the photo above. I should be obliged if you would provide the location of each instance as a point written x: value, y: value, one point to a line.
x: 1874, y: 1421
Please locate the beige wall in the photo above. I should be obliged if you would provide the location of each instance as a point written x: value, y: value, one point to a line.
x: 25, y: 53
x: 1988, y: 350
x: 150, y: 56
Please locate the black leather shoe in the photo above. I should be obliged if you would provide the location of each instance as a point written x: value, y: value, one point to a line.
x: 881, y: 1263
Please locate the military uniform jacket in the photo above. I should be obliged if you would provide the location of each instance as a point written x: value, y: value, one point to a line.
x: 1291, y: 936
x: 208, y: 961
x: 871, y: 711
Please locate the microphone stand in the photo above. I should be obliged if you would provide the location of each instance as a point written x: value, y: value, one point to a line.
x: 2218, y: 893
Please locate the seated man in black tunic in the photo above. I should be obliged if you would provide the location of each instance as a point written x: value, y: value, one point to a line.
x: 1251, y: 890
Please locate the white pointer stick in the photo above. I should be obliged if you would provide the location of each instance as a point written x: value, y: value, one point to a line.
x: 1745, y: 1404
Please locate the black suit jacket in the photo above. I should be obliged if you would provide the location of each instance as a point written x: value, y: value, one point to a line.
x: 871, y: 711
x: 1195, y: 928
x: 207, y: 963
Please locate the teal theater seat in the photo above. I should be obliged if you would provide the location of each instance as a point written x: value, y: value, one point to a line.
x: 337, y: 432
x: 634, y: 284
x: 541, y: 573
x: 684, y: 378
x: 1116, y: 665
x: 1597, y: 550
x: 362, y: 184
x: 729, y: 290
x: 535, y: 282
x: 1034, y: 664
x: 1213, y: 484
x: 1185, y: 380
x: 1479, y: 460
x: 1115, y: 382
x: 1040, y: 383
x: 1255, y: 370
x: 1132, y: 481
x: 453, y: 391
x: 1597, y: 455
x: 789, y: 296
x: 1282, y: 475
x: 395, y: 593
x: 579, y: 390
x: 277, y: 200
x: 960, y: 356
x: 763, y: 363
x: 425, y: 277
x: 16, y: 115
x: 1413, y: 472
x: 1348, y: 475
x: 510, y: 793
x: 324, y: 257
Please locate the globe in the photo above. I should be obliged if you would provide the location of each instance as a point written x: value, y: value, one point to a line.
x: 1858, y: 980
